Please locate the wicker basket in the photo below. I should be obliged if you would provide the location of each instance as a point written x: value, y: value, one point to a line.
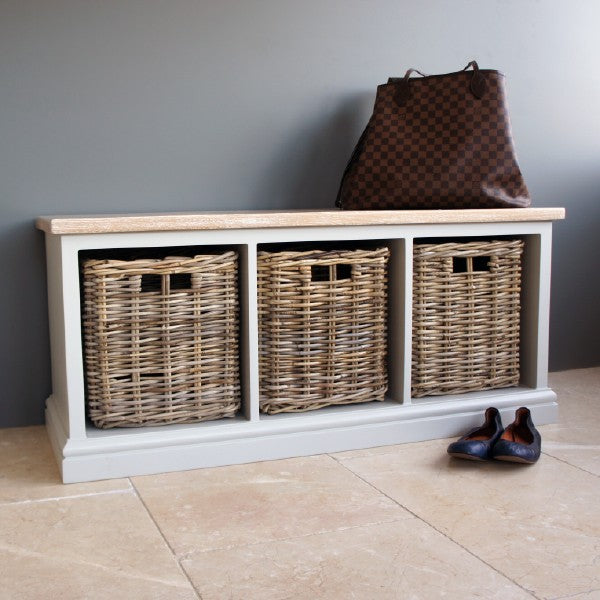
x: 466, y: 302
x: 161, y: 340
x: 322, y: 328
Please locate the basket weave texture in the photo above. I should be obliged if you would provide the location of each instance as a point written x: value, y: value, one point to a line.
x: 161, y: 340
x: 322, y: 328
x: 466, y: 313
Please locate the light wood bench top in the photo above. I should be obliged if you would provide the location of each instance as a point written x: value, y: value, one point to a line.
x: 132, y: 223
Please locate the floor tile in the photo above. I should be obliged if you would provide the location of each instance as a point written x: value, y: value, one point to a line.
x: 556, y: 443
x: 576, y: 437
x: 29, y: 470
x: 228, y: 506
x: 405, y: 560
x: 376, y: 451
x: 593, y: 595
x: 97, y: 547
x: 539, y: 525
x: 582, y: 383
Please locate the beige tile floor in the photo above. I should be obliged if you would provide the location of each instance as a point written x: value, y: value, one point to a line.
x: 397, y: 522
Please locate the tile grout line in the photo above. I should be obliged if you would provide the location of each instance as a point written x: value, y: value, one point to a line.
x: 434, y: 528
x: 182, y: 569
x: 566, y: 462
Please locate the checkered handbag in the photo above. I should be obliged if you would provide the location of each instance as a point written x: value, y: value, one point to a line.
x: 439, y: 141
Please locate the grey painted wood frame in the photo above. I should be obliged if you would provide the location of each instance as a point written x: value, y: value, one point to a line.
x: 86, y: 453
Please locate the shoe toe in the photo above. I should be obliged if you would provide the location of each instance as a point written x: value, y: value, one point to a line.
x: 469, y: 449
x: 515, y: 452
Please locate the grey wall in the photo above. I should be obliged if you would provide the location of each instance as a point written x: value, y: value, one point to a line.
x: 174, y: 105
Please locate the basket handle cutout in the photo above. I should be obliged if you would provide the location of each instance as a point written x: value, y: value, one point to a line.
x: 181, y: 281
x: 470, y: 264
x: 330, y: 272
x: 177, y: 281
x: 344, y: 272
x: 319, y: 273
x: 151, y: 283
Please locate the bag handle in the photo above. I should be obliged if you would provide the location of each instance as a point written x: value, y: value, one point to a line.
x: 411, y: 71
x: 477, y: 84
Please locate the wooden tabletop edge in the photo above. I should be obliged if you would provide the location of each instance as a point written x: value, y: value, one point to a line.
x: 121, y: 223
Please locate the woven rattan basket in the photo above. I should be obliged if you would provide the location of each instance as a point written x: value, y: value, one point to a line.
x: 322, y: 328
x: 466, y: 304
x: 161, y: 339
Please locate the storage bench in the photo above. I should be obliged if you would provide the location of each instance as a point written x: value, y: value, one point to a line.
x: 86, y: 452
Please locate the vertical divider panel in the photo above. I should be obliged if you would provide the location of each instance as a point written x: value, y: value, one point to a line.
x: 407, y: 290
x: 400, y: 320
x: 75, y: 388
x: 543, y: 339
x: 57, y: 318
x: 249, y: 331
x: 535, y: 309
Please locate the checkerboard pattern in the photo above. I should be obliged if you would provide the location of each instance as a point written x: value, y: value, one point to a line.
x: 442, y: 147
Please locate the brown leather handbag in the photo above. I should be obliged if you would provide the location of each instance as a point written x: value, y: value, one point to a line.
x: 439, y: 141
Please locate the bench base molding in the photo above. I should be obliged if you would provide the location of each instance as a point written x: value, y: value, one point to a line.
x: 158, y: 450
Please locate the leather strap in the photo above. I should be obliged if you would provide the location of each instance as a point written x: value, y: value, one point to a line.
x: 477, y: 83
x: 473, y: 64
x: 411, y: 71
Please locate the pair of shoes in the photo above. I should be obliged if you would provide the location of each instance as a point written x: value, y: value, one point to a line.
x: 519, y: 442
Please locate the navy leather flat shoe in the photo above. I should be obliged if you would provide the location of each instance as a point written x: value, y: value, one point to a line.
x: 477, y: 444
x: 521, y: 442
